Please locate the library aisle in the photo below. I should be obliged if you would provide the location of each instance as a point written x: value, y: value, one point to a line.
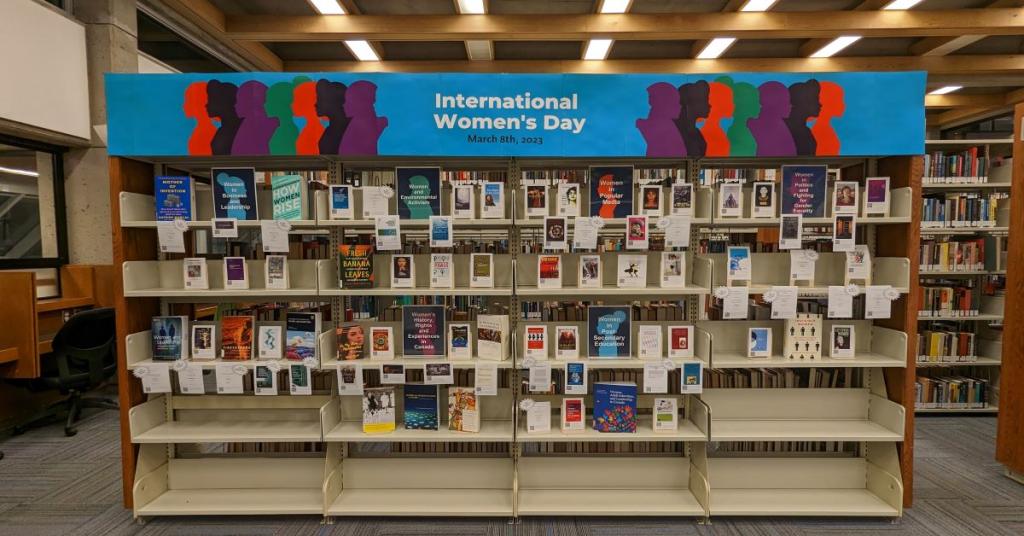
x: 959, y: 489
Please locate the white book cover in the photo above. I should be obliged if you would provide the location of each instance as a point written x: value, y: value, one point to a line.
x: 382, y: 342
x: 403, y: 271
x: 673, y: 269
x: 538, y: 418
x: 535, y: 341
x: 637, y: 233
x: 264, y: 380
x: 270, y: 342
x: 549, y: 271
x: 376, y: 201
x: 858, y: 263
x: 730, y: 200
x: 759, y: 342
x: 228, y: 378
x: 463, y: 202
x: 568, y: 203
x: 762, y: 205
x: 275, y: 272
x: 460, y: 341
x: 536, y: 199
x: 650, y: 200
x: 492, y: 337
x: 632, y: 271
x: 739, y: 264
x: 567, y: 342
x: 236, y: 273
x: 574, y: 415
x: 682, y: 199
x: 196, y: 277
x: 492, y: 200
x: 387, y: 233
x: 844, y: 197
x: 590, y: 271
x: 665, y: 413
x: 876, y: 196
x: 341, y: 202
x: 442, y: 267
x: 680, y: 341
x: 481, y: 266
x: 204, y: 341
x: 843, y: 341
x: 649, y: 344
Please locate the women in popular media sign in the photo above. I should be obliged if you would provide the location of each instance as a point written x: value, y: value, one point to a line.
x: 447, y: 114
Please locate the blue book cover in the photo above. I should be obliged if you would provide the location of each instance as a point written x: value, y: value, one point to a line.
x: 575, y: 374
x: 615, y: 407
x: 168, y: 335
x: 301, y: 330
x: 423, y: 330
x: 419, y: 192
x: 611, y: 191
x: 234, y: 193
x: 173, y: 198
x: 804, y: 191
x: 421, y: 407
x: 288, y: 193
x: 609, y: 331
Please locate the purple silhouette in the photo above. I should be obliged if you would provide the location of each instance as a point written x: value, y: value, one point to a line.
x: 330, y: 103
x: 364, y: 127
x: 659, y: 129
x: 220, y: 105
x: 694, y: 101
x: 769, y: 128
x: 256, y: 128
x: 806, y: 103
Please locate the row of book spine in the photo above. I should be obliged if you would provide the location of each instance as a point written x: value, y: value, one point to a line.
x: 710, y: 176
x: 780, y: 378
x: 624, y: 448
x: 602, y: 375
x: 785, y: 447
x: 961, y: 209
x: 473, y: 177
x: 935, y: 345
x: 948, y: 301
x: 953, y: 255
x: 577, y: 311
x: 655, y: 243
x: 969, y: 163
x: 951, y: 392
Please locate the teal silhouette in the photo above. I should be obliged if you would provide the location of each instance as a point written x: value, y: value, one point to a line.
x: 279, y: 105
x: 236, y: 193
x: 608, y: 326
x: 747, y: 101
x: 418, y: 201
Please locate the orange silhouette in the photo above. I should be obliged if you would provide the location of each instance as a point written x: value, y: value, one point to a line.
x: 832, y: 105
x: 606, y: 192
x: 722, y: 106
x: 304, y: 105
x: 195, y: 107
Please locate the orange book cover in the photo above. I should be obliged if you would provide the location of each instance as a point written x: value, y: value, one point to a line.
x: 237, y: 337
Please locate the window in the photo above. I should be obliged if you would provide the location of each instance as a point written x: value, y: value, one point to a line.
x: 33, y: 226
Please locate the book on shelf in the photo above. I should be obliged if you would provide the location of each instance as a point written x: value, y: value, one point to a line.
x: 549, y: 271
x: 463, y: 410
x: 682, y: 199
x: 421, y: 408
x: 393, y: 374
x: 351, y: 342
x: 960, y: 209
x: 492, y: 200
x: 403, y: 271
x: 615, y: 407
x: 759, y: 342
x: 673, y: 269
x: 762, y: 202
x: 441, y: 270
x: 952, y: 255
x: 609, y: 331
x: 637, y: 236
x: 438, y: 374
x: 419, y: 192
x: 665, y: 415
x: 567, y: 342
x: 691, y: 378
x: 275, y: 272
x: 288, y: 196
x: 236, y: 337
x: 680, y: 342
x: 536, y: 199
x: 631, y: 271
x: 355, y: 266
x: 803, y: 190
x: 460, y: 341
x: 967, y: 166
x: 951, y: 392
x: 481, y: 270
x: 234, y: 193
x: 568, y: 200
x: 739, y: 265
x: 730, y: 200
x: 270, y: 340
x: 376, y: 201
x: 379, y: 410
x: 174, y: 198
x: 842, y: 341
x: 556, y: 233
x: 204, y: 340
x: 299, y: 379
x: 876, y: 196
x: 575, y: 378
x: 168, y: 336
x: 236, y: 273
x: 382, y: 342
x: 538, y: 417
x: 648, y: 344
x: 802, y: 337
x: 301, y: 331
x: 350, y: 379
x: 441, y: 231
x: 195, y: 273
x: 611, y: 191
x: 423, y: 331
x: 342, y: 204
x: 574, y: 413
x: 590, y: 271
x: 945, y: 344
x: 535, y: 341
x: 492, y: 337
x: 650, y: 200
x: 264, y: 381
x: 955, y: 300
x: 844, y: 197
x: 463, y: 202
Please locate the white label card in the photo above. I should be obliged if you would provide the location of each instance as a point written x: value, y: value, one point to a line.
x: 156, y: 378
x: 735, y: 302
x: 229, y: 381
x: 677, y: 231
x: 801, y: 264
x: 275, y: 235
x: 190, y: 379
x: 584, y: 234
x: 840, y: 302
x: 171, y: 237
x: 388, y: 233
x: 350, y: 379
x: 655, y: 378
x: 486, y: 378
x: 225, y: 227
x: 784, y: 302
x: 540, y: 378
x: 878, y: 301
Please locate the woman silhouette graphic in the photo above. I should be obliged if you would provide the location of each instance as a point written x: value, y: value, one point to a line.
x: 220, y: 104
x: 364, y: 128
x: 721, y: 107
x: 693, y: 98
x: 195, y: 107
x: 769, y: 128
x: 304, y: 106
x: 832, y: 105
x: 330, y: 103
x: 659, y: 128
x: 804, y: 96
x: 254, y: 133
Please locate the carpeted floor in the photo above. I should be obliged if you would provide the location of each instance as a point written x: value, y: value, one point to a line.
x: 50, y: 484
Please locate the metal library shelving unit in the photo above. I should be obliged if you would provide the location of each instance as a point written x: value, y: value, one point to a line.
x: 963, y: 272
x: 735, y: 450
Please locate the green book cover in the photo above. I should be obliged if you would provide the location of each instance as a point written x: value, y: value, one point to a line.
x: 289, y: 197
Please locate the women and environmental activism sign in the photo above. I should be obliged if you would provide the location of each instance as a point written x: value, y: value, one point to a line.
x: 545, y: 115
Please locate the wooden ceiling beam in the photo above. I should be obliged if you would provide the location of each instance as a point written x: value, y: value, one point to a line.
x: 964, y: 101
x: 634, y: 26
x: 814, y: 45
x: 941, y: 46
x: 212, y: 20
x: 730, y: 7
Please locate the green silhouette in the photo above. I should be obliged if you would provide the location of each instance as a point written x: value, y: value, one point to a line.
x: 279, y: 105
x: 747, y: 101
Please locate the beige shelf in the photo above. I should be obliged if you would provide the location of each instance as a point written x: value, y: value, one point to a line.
x: 900, y: 204
x: 608, y: 502
x: 164, y: 279
x: 328, y: 283
x: 227, y: 502
x: 727, y: 360
x: 772, y: 269
x: 490, y: 431
x: 989, y: 409
x: 411, y: 362
x: 799, y: 502
x: 227, y: 431
x: 981, y: 362
x: 687, y: 431
x: 577, y: 293
x: 139, y: 210
x: 963, y: 230
x: 426, y: 502
x: 697, y: 277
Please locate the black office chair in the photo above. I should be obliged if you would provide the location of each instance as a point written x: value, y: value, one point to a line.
x: 84, y: 358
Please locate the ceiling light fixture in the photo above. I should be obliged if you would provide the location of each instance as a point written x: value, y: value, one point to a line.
x: 615, y: 6
x: 836, y: 46
x: 945, y: 90
x: 327, y: 7
x: 715, y: 48
x: 362, y: 50
x: 901, y: 4
x: 758, y: 5
x: 472, y: 7
x: 597, y: 49
x: 17, y: 171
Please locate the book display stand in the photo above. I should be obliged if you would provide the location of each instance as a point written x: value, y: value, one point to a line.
x: 831, y: 435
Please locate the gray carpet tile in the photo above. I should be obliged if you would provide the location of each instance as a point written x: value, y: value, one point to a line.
x: 50, y: 484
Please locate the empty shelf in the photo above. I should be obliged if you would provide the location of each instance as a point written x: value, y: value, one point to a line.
x: 800, y: 430
x: 609, y: 502
x: 218, y: 431
x: 798, y: 502
x: 264, y: 501
x: 423, y: 502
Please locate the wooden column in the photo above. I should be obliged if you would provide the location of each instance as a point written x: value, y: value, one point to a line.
x: 904, y: 241
x: 1010, y: 435
x: 134, y: 314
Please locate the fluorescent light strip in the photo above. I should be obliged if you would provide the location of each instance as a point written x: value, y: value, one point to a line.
x: 836, y: 46
x: 715, y: 48
x: 472, y: 7
x: 615, y: 6
x: 945, y: 90
x: 758, y: 5
x: 901, y: 4
x: 17, y: 171
x: 597, y: 49
x: 328, y: 7
x: 362, y: 50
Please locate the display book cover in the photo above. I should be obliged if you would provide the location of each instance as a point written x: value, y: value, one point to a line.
x: 288, y: 194
x: 174, y: 197
x: 804, y: 190
x: 301, y: 331
x: 611, y: 191
x: 463, y: 410
x: 615, y: 407
x: 379, y: 410
x: 423, y: 330
x: 421, y: 407
x: 351, y: 339
x: 234, y: 193
x: 609, y: 331
x: 169, y: 334
x: 419, y: 192
x: 355, y: 265
x: 236, y: 337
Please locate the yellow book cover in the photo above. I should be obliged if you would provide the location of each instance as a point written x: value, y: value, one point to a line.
x: 379, y: 410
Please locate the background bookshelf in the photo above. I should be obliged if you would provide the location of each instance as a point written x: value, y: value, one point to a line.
x: 767, y: 437
x: 965, y: 227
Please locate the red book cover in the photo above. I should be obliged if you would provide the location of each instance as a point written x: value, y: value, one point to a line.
x: 237, y: 337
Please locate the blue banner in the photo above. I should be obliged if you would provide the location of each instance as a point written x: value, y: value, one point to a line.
x: 545, y: 115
